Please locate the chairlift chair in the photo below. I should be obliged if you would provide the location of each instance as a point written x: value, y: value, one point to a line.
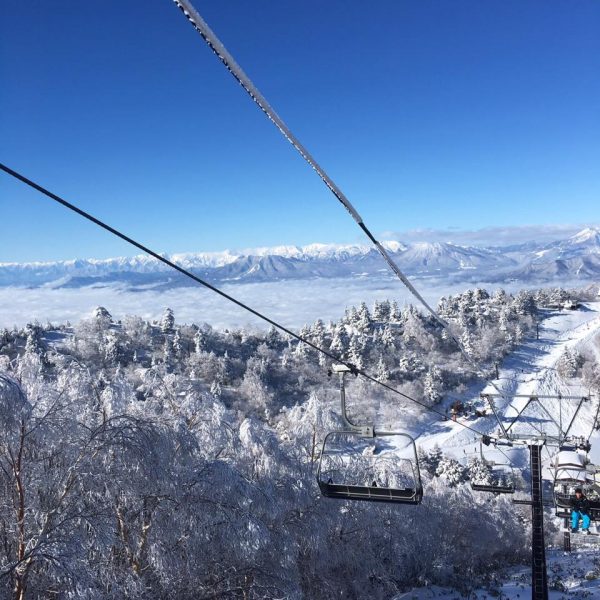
x: 502, y: 475
x: 349, y: 469
x: 573, y: 470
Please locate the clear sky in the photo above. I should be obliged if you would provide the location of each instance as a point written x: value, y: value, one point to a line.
x: 428, y: 114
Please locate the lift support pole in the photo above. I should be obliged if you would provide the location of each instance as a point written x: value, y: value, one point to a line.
x: 539, y: 578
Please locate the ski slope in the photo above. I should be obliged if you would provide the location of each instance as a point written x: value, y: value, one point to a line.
x: 531, y: 369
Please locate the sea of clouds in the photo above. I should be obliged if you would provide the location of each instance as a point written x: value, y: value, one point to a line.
x: 292, y: 303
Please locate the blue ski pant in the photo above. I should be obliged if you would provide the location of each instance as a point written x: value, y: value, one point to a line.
x: 575, y: 516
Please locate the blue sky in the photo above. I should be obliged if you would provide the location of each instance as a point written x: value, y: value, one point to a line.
x: 429, y: 115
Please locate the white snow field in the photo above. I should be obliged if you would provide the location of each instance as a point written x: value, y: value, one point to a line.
x: 531, y: 369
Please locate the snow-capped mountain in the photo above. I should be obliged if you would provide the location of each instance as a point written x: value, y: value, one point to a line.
x: 575, y: 257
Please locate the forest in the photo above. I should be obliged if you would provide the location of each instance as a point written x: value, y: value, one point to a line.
x: 162, y: 460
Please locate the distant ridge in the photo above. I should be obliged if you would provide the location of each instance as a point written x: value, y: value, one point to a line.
x: 577, y: 256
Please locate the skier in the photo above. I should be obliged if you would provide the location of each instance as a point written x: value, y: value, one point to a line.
x: 580, y: 510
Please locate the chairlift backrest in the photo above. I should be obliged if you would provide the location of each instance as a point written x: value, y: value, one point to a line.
x: 570, y: 466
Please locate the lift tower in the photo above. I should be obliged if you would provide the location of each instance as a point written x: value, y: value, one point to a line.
x: 534, y: 443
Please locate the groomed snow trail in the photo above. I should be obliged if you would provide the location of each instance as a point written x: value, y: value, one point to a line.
x: 530, y: 369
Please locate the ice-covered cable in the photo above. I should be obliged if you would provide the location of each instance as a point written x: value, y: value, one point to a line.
x: 211, y: 287
x: 234, y: 68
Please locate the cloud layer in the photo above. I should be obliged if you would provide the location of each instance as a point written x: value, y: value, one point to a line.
x: 291, y: 303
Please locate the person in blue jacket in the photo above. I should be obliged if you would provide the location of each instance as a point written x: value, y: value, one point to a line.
x: 580, y: 509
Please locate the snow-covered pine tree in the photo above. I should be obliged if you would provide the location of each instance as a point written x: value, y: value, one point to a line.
x: 430, y: 460
x: 355, y: 351
x: 381, y: 311
x: 431, y: 385
x: 340, y: 341
x: 168, y: 321
x: 111, y: 350
x: 178, y: 344
x: 387, y: 337
x: 364, y: 321
x: 199, y: 342
x: 382, y: 371
x: 395, y: 315
x: 467, y: 342
x: 215, y: 389
x: 567, y: 365
x: 33, y: 344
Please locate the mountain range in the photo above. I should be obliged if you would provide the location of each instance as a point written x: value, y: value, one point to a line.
x: 577, y: 257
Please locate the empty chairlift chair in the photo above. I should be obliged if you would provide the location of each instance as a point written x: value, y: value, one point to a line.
x: 360, y: 463
x: 497, y: 478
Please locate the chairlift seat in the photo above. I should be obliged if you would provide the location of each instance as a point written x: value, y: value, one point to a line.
x: 339, y: 477
x: 502, y: 474
x: 371, y: 493
x: 564, y: 501
x: 496, y: 489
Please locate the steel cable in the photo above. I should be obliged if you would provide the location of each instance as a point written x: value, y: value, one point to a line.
x: 211, y: 287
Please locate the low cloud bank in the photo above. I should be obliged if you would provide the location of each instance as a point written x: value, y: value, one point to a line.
x: 292, y: 303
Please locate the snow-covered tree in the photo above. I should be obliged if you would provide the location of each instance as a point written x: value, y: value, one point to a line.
x: 387, y: 337
x: 382, y: 372
x: 167, y: 323
x: 431, y: 460
x: 340, y: 341
x: 479, y: 473
x: 432, y: 385
x: 452, y: 471
x: 355, y: 351
x: 382, y: 311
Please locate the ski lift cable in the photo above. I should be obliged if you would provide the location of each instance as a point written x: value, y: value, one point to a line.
x: 215, y: 44
x: 221, y: 293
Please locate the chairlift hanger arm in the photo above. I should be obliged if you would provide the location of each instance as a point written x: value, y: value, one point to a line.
x: 364, y: 430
